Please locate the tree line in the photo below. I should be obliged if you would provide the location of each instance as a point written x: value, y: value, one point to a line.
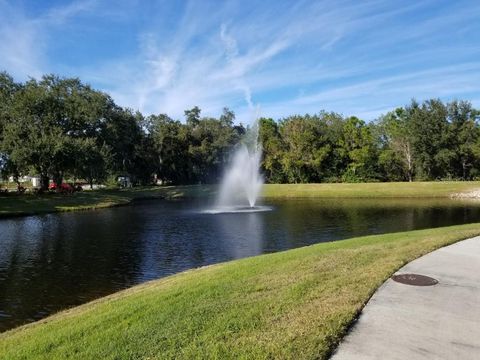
x: 421, y: 141
x: 59, y: 128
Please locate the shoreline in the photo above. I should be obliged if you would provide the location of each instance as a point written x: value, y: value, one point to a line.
x: 15, y: 206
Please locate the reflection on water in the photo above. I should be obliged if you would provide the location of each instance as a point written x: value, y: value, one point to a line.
x: 51, y: 262
x: 248, y: 234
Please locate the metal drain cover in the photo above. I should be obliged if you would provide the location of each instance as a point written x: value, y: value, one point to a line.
x: 415, y: 279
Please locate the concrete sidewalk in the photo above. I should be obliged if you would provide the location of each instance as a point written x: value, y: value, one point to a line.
x: 423, y: 322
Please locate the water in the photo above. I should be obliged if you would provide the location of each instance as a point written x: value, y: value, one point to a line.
x: 56, y: 261
x: 242, y: 181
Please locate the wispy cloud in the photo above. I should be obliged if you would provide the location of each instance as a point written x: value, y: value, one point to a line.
x: 231, y: 53
x: 287, y: 57
x: 59, y: 15
x: 24, y: 40
x: 22, y: 50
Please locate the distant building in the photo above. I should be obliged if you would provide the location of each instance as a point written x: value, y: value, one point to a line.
x: 21, y: 179
x: 36, y: 182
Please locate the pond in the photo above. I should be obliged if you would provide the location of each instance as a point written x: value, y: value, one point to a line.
x: 52, y: 262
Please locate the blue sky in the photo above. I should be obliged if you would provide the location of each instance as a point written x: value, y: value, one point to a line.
x: 275, y: 58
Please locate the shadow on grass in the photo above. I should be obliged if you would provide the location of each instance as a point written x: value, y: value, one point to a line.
x: 28, y: 204
x: 31, y: 204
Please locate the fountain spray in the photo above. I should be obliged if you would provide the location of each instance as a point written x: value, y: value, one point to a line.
x: 242, y: 181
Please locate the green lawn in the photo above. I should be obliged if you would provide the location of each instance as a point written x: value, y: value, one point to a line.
x: 12, y: 205
x: 29, y: 204
x: 295, y: 304
x: 436, y: 189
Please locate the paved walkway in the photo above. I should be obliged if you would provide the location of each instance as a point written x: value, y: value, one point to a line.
x: 423, y: 322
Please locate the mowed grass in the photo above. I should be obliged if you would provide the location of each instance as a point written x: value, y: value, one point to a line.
x: 29, y: 204
x: 295, y: 304
x: 438, y: 189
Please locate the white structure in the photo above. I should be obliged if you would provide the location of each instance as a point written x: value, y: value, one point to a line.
x: 124, y: 181
x: 36, y: 182
x: 21, y: 179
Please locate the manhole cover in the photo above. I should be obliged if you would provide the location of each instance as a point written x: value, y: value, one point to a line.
x: 415, y: 279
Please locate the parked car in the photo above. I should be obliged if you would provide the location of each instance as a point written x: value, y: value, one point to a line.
x: 63, y: 188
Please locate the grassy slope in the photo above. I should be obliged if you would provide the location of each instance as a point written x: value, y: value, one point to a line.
x: 292, y: 304
x: 29, y: 204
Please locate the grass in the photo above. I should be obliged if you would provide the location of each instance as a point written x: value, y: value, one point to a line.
x: 29, y: 204
x: 293, y: 304
x: 439, y: 189
x: 18, y: 205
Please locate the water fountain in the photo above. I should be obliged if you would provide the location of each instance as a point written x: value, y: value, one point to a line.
x: 242, y: 181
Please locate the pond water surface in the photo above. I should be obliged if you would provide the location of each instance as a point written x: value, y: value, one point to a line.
x: 52, y: 262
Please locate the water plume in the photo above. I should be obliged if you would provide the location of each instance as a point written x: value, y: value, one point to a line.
x: 242, y: 181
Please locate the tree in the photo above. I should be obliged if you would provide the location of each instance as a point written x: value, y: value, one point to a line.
x: 272, y: 146
x: 170, y: 142
x: 92, y: 161
x: 337, y: 162
x: 49, y: 119
x: 193, y: 116
x: 210, y: 144
x: 463, y: 137
x: 357, y: 145
x: 397, y: 138
x: 227, y: 118
x: 429, y: 127
x: 306, y: 148
x: 8, y: 89
x: 121, y: 132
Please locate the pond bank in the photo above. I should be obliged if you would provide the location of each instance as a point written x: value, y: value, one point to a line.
x: 24, y: 205
x: 29, y: 204
x: 293, y: 304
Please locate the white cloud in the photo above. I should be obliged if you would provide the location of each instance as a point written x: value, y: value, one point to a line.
x: 24, y: 40
x: 20, y: 46
x: 345, y: 56
x: 59, y: 15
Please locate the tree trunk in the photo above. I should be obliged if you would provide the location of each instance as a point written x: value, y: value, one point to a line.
x: 16, y: 178
x: 408, y: 160
x: 58, y: 178
x: 44, y: 182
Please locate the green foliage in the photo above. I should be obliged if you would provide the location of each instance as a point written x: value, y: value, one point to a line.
x: 59, y: 127
x: 433, y: 140
x: 273, y: 150
x: 169, y: 141
x: 92, y: 161
x: 51, y: 123
x: 306, y: 148
x: 195, y: 152
x: 211, y: 142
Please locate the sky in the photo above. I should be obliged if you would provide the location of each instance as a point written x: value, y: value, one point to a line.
x: 270, y: 58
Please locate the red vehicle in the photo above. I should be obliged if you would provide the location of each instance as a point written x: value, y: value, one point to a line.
x: 64, y: 188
